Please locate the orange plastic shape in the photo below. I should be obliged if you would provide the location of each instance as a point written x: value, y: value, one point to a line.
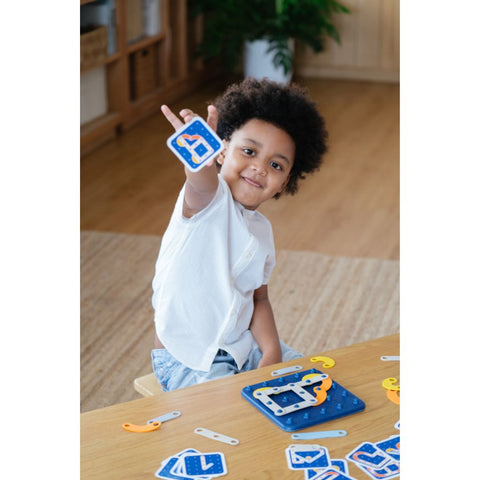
x: 394, y: 396
x: 149, y: 427
x: 320, y: 394
x: 326, y: 384
x: 321, y: 391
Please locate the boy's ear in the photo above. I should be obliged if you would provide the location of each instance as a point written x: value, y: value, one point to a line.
x: 221, y: 155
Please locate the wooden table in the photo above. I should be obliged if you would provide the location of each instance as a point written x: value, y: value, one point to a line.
x: 109, y: 452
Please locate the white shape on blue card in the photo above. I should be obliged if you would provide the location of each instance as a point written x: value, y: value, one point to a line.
x: 307, y: 456
x: 391, y: 446
x: 369, y: 455
x: 173, y: 467
x: 331, y: 474
x: 210, y: 464
x: 388, y: 471
x: 195, y: 144
x: 336, y: 464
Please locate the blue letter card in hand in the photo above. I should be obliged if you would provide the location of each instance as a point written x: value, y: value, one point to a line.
x: 195, y: 144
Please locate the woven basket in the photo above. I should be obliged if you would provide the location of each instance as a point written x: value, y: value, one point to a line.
x: 93, y: 47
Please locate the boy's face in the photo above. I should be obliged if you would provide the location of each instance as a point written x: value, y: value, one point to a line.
x: 256, y: 162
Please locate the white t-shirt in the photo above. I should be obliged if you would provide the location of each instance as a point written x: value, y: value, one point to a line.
x: 207, y: 270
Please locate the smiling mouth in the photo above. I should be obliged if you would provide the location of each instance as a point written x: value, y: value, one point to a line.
x: 252, y: 182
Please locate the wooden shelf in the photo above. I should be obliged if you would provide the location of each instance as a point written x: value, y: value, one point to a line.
x: 107, y: 121
x: 140, y: 76
x: 110, y: 59
x: 145, y: 42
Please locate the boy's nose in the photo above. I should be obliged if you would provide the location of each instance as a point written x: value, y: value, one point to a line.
x: 259, y: 168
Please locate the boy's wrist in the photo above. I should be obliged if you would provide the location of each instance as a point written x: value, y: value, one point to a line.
x: 271, y: 356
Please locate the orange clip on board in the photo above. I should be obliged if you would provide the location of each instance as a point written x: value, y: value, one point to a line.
x: 321, y: 391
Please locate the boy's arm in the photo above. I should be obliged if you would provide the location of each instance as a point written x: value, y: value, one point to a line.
x: 200, y: 187
x: 263, y: 328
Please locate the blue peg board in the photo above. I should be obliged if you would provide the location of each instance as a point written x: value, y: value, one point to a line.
x: 339, y: 403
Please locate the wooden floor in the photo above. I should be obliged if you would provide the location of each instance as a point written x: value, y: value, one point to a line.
x: 350, y: 207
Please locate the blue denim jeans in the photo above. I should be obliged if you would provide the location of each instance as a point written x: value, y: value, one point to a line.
x: 171, y: 374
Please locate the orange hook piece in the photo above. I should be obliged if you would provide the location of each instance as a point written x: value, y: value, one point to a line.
x: 150, y: 427
x: 321, y: 391
x: 394, y: 396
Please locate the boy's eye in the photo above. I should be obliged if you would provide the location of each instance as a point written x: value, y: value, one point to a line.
x: 276, y: 166
x: 248, y: 151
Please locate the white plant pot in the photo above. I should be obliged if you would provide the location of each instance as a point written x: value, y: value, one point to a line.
x: 257, y: 63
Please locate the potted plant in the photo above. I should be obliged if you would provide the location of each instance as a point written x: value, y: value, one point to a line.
x: 233, y: 27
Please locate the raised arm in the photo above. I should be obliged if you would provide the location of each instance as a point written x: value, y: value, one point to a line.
x: 200, y: 186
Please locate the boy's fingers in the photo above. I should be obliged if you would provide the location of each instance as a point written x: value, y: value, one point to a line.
x: 171, y: 117
x: 212, y: 118
x: 187, y: 114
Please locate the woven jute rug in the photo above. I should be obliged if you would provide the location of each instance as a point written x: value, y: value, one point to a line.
x: 320, y: 303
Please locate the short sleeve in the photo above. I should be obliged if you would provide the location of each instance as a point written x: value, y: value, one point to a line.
x: 269, y: 265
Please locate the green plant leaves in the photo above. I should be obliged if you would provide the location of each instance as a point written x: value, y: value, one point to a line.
x: 229, y: 23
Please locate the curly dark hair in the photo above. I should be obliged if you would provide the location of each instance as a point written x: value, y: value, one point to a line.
x: 287, y: 107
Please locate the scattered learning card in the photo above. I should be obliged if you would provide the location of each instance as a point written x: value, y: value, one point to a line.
x: 380, y: 460
x: 315, y: 462
x: 301, y: 457
x: 331, y: 474
x: 190, y: 464
x: 391, y: 446
x: 339, y: 465
x: 211, y: 464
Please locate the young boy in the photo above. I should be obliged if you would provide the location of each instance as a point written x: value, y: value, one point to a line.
x: 212, y: 312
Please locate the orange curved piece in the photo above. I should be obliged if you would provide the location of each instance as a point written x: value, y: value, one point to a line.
x: 394, y: 396
x: 321, y: 395
x: 326, y: 384
x: 150, y: 427
x: 321, y: 391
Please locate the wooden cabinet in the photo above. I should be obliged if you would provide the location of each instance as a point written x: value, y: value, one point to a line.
x: 142, y: 71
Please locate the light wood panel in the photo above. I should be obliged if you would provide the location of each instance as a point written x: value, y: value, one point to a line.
x: 369, y: 49
x: 350, y: 207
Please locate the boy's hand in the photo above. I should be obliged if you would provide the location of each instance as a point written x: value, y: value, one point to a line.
x: 187, y: 115
x: 201, y: 185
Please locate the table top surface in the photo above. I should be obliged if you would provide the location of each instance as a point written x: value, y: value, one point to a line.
x: 110, y: 452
